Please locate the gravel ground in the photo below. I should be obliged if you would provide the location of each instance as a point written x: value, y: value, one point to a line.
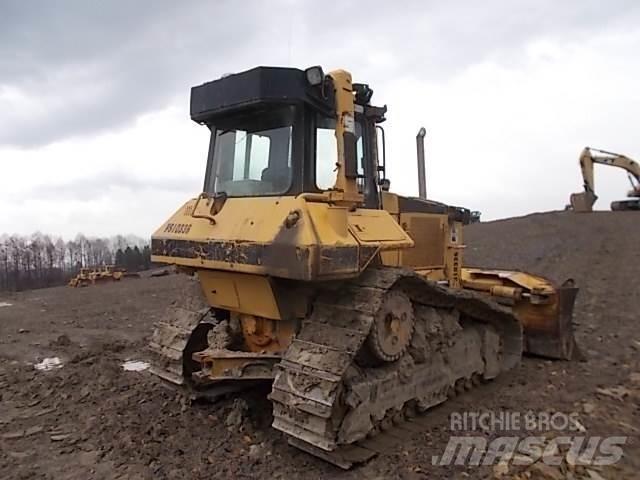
x: 92, y: 419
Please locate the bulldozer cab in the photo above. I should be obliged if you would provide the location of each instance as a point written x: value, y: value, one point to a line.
x: 288, y: 143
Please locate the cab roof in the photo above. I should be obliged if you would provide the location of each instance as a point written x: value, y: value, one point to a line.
x: 258, y: 86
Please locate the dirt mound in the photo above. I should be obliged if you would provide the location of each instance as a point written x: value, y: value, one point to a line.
x: 92, y: 419
x: 599, y: 250
x: 588, y: 246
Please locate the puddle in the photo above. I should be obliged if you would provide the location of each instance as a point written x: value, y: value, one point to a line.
x: 135, y: 366
x: 48, y: 364
x: 5, y: 304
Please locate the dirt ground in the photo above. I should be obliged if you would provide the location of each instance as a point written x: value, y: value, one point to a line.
x: 92, y: 419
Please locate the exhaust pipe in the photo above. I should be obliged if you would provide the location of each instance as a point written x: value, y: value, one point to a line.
x: 422, y: 179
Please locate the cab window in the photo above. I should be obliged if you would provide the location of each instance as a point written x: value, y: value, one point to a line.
x: 326, y: 151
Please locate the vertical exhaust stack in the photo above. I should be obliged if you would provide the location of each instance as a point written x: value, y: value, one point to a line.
x: 422, y: 179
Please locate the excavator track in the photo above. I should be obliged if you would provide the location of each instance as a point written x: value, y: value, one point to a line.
x: 332, y: 402
x: 625, y: 205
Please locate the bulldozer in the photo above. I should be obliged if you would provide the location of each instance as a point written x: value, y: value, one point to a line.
x: 307, y: 272
x: 82, y: 278
x: 92, y: 275
x: 583, y: 201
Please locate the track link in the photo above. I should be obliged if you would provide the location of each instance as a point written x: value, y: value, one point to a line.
x: 175, y: 331
x: 389, y: 434
x: 330, y: 406
x: 184, y: 330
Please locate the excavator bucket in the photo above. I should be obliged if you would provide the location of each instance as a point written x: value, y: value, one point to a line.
x: 548, y: 327
x: 582, y: 202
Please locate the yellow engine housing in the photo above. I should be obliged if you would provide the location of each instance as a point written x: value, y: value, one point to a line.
x: 286, y: 237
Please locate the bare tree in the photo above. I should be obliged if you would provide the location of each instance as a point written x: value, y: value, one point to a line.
x: 40, y: 260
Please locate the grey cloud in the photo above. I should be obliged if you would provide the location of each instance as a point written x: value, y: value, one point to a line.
x: 432, y: 39
x: 95, y: 66
x: 110, y: 184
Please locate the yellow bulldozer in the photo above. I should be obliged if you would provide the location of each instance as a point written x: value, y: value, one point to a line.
x: 92, y: 275
x: 309, y: 273
x: 583, y: 201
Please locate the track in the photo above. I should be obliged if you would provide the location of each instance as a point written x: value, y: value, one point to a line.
x: 392, y: 432
x: 190, y: 326
x: 181, y: 327
x: 332, y: 404
x: 328, y: 396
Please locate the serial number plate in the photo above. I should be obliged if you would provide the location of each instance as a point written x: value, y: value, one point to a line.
x: 182, y: 228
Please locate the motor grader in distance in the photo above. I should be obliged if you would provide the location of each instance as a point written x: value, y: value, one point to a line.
x: 309, y: 273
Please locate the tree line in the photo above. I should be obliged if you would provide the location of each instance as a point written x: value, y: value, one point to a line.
x: 40, y: 260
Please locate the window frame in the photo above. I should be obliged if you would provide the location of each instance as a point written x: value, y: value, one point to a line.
x: 361, y: 120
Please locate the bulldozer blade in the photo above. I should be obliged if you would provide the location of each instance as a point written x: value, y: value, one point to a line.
x: 548, y: 329
x: 582, y: 202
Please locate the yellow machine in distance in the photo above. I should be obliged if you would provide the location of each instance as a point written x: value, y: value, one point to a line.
x: 583, y: 201
x: 310, y: 274
x: 92, y: 275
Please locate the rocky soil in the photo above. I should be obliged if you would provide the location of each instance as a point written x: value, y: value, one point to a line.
x: 89, y: 418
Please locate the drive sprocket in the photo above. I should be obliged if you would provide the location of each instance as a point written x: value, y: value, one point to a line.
x: 392, y: 328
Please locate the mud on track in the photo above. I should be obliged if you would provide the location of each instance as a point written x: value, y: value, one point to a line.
x: 91, y: 419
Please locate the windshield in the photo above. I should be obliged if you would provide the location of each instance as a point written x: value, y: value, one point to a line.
x: 252, y: 153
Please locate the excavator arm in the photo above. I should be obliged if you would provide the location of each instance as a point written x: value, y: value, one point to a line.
x: 583, y: 201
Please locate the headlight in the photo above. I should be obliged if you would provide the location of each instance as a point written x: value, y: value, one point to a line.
x: 314, y: 75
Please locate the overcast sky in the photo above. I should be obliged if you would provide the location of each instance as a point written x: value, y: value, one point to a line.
x: 95, y: 135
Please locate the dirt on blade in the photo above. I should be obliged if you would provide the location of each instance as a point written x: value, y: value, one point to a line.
x: 92, y: 419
